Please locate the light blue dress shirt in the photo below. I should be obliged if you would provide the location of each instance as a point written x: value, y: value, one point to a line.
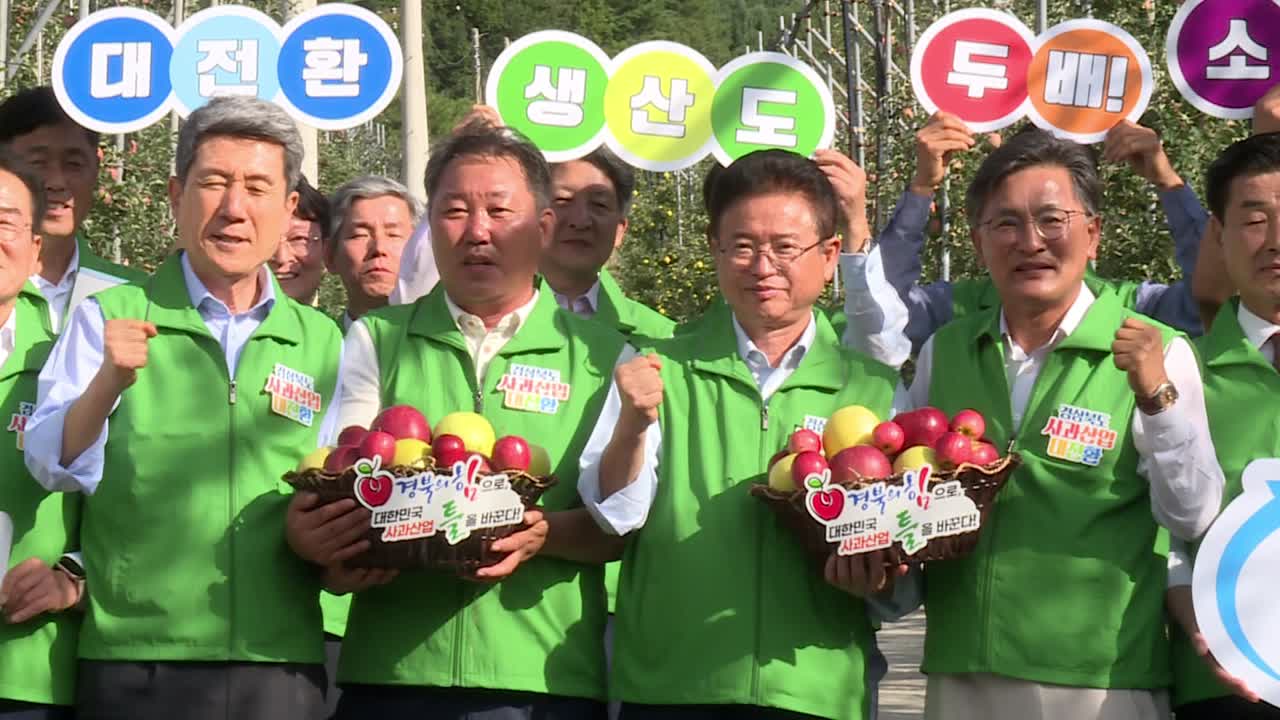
x: 78, y: 355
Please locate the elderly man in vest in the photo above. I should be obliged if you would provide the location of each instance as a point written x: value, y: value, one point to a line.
x: 157, y: 404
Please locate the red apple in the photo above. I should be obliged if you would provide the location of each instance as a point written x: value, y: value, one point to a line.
x: 378, y: 444
x: 804, y: 439
x: 983, y: 453
x: 485, y: 468
x: 512, y: 453
x: 923, y: 426
x: 952, y: 450
x: 342, y: 457
x: 969, y: 422
x: 860, y: 462
x: 447, y: 450
x: 888, y: 437
x: 351, y: 435
x: 809, y: 462
x: 403, y: 421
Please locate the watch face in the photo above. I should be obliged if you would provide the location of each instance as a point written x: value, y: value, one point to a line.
x: 71, y: 566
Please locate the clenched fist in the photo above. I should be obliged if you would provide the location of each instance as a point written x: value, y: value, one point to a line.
x: 640, y: 390
x: 1139, y: 351
x: 850, y: 183
x: 1141, y: 148
x: 944, y: 135
x: 125, y: 351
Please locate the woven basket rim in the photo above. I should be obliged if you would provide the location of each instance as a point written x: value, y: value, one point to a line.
x: 993, y: 471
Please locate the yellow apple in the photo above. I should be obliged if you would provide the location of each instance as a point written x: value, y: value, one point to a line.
x: 411, y: 452
x: 314, y: 459
x: 476, y: 432
x: 850, y: 425
x: 780, y: 474
x: 539, y: 461
x: 914, y: 458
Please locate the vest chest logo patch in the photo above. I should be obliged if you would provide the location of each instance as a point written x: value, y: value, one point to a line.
x: 18, y: 421
x: 815, y: 423
x: 1079, y: 435
x: 293, y: 395
x: 532, y: 389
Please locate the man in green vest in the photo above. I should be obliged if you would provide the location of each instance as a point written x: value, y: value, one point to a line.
x: 720, y: 613
x: 372, y: 218
x: 298, y: 262
x: 66, y: 157
x: 37, y: 631
x: 1240, y: 358
x: 1058, y: 613
x: 175, y: 405
x: 525, y: 641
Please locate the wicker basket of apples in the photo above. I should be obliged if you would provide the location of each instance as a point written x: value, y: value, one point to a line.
x: 919, y: 486
x: 437, y: 499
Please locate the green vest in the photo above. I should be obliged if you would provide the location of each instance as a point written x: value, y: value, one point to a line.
x: 38, y: 657
x: 718, y: 603
x: 1067, y: 583
x: 641, y: 325
x: 1236, y: 377
x: 184, y: 537
x: 95, y: 275
x: 542, y: 629
x: 334, y: 608
x: 972, y: 295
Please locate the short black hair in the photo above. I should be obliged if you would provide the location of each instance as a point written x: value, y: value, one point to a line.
x: 31, y: 109
x: 11, y: 163
x: 312, y: 205
x: 1254, y: 155
x: 617, y: 170
x: 771, y: 171
x: 480, y: 139
x: 1029, y: 148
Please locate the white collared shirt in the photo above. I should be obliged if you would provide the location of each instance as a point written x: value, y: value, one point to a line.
x: 1175, y: 450
x: 1259, y: 333
x: 585, y: 305
x: 361, y: 382
x: 627, y: 509
x: 58, y: 296
x: 78, y: 355
x: 9, y: 335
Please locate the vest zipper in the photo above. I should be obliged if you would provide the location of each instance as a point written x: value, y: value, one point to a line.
x: 231, y: 530
x: 764, y: 416
x: 479, y: 401
x: 231, y: 393
x: 760, y: 529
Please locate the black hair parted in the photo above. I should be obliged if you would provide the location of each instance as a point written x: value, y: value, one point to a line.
x: 480, y: 139
x: 1254, y: 155
x: 30, y: 109
x: 771, y: 171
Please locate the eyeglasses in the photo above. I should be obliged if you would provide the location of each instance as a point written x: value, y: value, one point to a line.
x: 1050, y: 224
x: 299, y: 244
x: 781, y: 254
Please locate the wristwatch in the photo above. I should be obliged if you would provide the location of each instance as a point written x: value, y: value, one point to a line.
x: 1162, y: 399
x: 71, y: 567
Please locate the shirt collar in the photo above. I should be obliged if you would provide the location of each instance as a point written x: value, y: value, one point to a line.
x: 510, y: 323
x: 1256, y: 330
x: 592, y: 296
x: 68, y: 277
x: 204, y: 301
x: 347, y: 320
x: 754, y: 357
x: 1070, y: 321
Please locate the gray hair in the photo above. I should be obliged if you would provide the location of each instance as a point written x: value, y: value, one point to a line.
x: 1030, y: 148
x: 363, y: 188
x: 244, y: 117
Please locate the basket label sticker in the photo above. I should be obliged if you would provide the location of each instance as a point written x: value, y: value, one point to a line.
x: 18, y: 421
x: 1079, y: 435
x: 532, y: 389
x: 293, y: 395
x: 815, y: 423
x: 876, y: 516
x: 457, y: 503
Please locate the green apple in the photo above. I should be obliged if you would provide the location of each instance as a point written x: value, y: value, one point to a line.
x: 780, y: 474
x: 914, y: 458
x: 539, y: 461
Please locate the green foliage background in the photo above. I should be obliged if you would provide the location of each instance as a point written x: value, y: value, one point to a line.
x: 665, y: 262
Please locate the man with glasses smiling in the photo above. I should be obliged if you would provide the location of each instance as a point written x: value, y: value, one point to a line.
x: 1058, y: 614
x: 298, y: 262
x: 718, y: 612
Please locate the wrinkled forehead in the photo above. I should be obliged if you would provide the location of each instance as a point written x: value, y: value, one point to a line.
x: 253, y: 157
x: 1035, y: 188
x: 489, y: 176
x: 1259, y: 190
x: 15, y: 197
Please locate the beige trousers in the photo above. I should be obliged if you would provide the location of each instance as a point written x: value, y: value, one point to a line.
x: 983, y: 696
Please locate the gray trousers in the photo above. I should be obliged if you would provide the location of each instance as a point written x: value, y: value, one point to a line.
x: 199, y: 691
